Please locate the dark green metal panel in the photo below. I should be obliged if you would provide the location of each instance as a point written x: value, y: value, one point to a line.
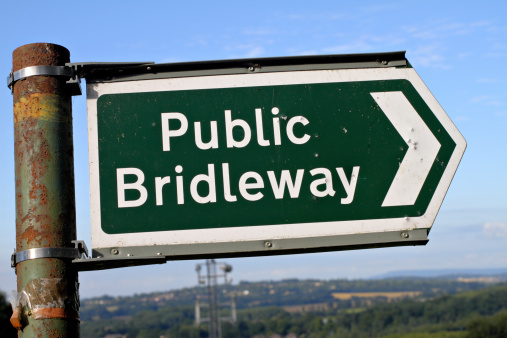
x: 346, y: 127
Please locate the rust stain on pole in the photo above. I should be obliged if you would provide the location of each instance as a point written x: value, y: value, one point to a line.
x: 44, y: 167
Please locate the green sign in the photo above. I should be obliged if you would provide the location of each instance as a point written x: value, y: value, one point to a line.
x: 251, y: 156
x: 303, y: 154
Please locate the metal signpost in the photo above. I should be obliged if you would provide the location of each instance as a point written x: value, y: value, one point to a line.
x: 271, y: 156
x: 47, y: 302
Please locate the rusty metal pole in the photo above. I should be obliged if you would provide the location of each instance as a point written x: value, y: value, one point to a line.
x: 45, y: 200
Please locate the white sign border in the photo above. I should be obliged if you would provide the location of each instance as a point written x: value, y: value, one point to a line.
x: 100, y: 239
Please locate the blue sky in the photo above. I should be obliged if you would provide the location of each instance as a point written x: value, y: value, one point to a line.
x: 458, y: 48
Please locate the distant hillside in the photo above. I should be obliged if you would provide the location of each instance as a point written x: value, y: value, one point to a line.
x: 286, y: 293
x: 479, y: 313
x: 447, y: 273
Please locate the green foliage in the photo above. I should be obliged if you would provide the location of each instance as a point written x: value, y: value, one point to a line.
x: 445, y: 313
x: 271, y: 293
x: 170, y: 321
x: 479, y: 313
x: 491, y: 326
x: 439, y: 334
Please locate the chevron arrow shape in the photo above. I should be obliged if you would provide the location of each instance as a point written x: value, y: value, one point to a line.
x: 422, y: 146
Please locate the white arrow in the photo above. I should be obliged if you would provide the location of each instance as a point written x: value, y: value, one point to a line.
x: 422, y: 145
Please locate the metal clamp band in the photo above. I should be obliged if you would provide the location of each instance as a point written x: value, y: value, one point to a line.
x: 79, y: 251
x: 39, y: 70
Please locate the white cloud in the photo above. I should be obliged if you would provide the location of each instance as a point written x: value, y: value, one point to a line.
x: 378, y: 8
x: 438, y: 30
x: 429, y: 56
x: 445, y: 33
x: 246, y: 50
x: 309, y: 16
x: 462, y: 118
x: 260, y: 31
x: 480, y: 99
x: 464, y: 55
x: 354, y: 47
x: 304, y: 52
x: 367, y: 43
x: 199, y: 41
x: 487, y: 80
x: 255, y: 51
x: 495, y: 229
x: 480, y: 24
x: 486, y: 100
x: 295, y: 16
x: 170, y: 60
x: 499, y: 46
x: 495, y: 55
x: 494, y: 103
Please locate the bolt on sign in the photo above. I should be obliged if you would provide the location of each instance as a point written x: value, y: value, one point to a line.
x: 275, y: 155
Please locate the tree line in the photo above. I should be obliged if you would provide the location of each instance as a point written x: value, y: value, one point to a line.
x: 480, y: 313
x: 273, y: 293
